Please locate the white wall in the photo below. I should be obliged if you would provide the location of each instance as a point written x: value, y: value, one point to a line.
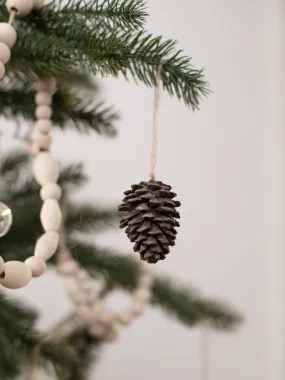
x: 219, y: 162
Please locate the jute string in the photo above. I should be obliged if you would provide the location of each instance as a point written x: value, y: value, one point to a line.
x: 12, y: 16
x: 155, y: 123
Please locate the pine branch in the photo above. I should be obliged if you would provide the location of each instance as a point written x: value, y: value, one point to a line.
x: 71, y: 107
x: 178, y: 76
x: 89, y: 218
x: 126, y: 14
x: 188, y: 306
x: 12, y: 163
x: 22, y: 342
x: 72, y: 176
x: 86, y: 348
x: 24, y: 187
x: 108, y: 52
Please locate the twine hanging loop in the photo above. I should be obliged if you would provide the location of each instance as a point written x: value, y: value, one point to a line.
x: 155, y: 123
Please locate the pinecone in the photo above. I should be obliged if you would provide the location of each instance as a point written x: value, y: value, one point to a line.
x: 150, y: 219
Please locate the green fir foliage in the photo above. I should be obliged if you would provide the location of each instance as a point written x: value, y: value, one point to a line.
x: 106, y: 38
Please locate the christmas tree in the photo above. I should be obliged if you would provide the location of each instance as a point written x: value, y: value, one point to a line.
x: 74, y: 42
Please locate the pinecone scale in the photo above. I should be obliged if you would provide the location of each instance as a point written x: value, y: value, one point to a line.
x: 150, y: 219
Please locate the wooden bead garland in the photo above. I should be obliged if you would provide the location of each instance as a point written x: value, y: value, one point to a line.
x: 15, y: 274
x: 89, y: 303
x: 91, y: 308
x: 46, y: 172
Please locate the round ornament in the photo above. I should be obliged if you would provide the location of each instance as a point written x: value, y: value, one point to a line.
x: 6, y: 219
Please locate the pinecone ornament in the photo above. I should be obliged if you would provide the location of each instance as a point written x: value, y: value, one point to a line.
x: 150, y: 219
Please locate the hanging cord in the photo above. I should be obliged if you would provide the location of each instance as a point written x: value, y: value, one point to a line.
x: 12, y: 16
x: 155, y: 122
x: 205, y: 352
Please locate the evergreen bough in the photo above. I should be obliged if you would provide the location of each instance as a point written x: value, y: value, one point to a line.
x: 75, y: 41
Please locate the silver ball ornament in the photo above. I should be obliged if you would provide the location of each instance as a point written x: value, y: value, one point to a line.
x: 6, y: 219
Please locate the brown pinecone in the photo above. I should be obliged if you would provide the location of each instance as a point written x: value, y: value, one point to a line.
x: 150, y: 219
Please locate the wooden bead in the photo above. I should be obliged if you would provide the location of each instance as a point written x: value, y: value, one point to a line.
x: 51, y: 215
x: 106, y: 316
x: 46, y: 169
x: 22, y: 7
x: 124, y: 318
x: 17, y: 275
x: 85, y: 313
x: 92, y: 297
x: 38, y: 4
x: 137, y: 307
x: 46, y: 245
x: 82, y: 275
x: 111, y: 335
x: 37, y: 265
x: 63, y: 255
x: 47, y: 85
x: 98, y: 308
x: 1, y: 265
x: 67, y: 268
x: 7, y: 34
x: 34, y: 149
x: 43, y: 98
x: 43, y: 126
x: 98, y: 329
x: 2, y: 70
x: 43, y: 142
x: 142, y: 294
x: 51, y: 191
x: 87, y: 285
x: 43, y: 112
x: 146, y: 280
x: 5, y: 53
x: 74, y: 290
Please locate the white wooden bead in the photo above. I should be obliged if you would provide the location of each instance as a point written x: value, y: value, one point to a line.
x: 98, y: 308
x: 48, y: 85
x: 38, y: 4
x: 85, y: 313
x: 17, y: 275
x: 34, y: 149
x: 111, y: 335
x: 67, y: 268
x: 22, y: 7
x: 74, y: 290
x: 106, y: 316
x: 2, y: 70
x: 1, y: 265
x: 5, y: 53
x: 87, y: 285
x: 43, y: 112
x: 142, y: 294
x: 51, y: 215
x: 43, y: 98
x: 92, y: 297
x: 146, y: 280
x: 124, y: 318
x: 98, y: 329
x: 137, y: 307
x: 43, y: 142
x: 46, y: 245
x: 46, y: 168
x: 63, y: 256
x: 37, y: 265
x: 144, y: 267
x: 7, y: 34
x: 82, y: 275
x: 43, y: 126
